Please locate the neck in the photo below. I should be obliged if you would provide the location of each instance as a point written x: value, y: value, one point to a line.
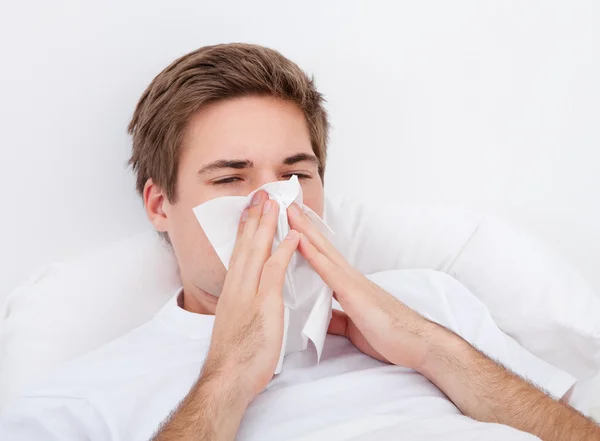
x: 198, y: 301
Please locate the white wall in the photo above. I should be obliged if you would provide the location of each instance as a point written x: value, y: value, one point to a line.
x: 492, y: 105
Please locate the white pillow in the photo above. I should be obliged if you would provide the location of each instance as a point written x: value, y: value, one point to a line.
x: 74, y: 307
x: 533, y: 295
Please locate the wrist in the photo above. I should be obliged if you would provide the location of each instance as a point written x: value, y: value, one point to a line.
x: 212, y: 409
x: 444, y: 351
x: 226, y: 383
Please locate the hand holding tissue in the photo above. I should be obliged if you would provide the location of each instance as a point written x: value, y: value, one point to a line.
x: 306, y: 298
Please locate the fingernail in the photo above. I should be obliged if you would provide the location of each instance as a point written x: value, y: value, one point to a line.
x: 292, y: 235
x: 245, y: 215
x: 267, y: 206
x: 256, y: 198
x: 294, y: 210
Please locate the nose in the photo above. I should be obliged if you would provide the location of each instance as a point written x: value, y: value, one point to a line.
x: 263, y: 177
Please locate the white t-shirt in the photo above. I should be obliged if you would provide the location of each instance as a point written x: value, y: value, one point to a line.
x: 124, y: 390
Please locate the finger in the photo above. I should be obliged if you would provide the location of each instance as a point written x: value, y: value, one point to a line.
x: 273, y: 274
x: 348, y: 285
x: 254, y: 215
x: 260, y: 249
x: 301, y: 222
x: 339, y: 323
x: 251, y: 223
x: 238, y: 238
x: 332, y: 274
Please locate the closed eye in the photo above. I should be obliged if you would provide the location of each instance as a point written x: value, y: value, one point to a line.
x: 227, y: 181
x: 231, y: 180
x: 300, y: 175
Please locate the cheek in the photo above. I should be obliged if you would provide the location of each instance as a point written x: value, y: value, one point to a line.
x: 314, y: 197
x: 185, y: 231
x: 197, y: 259
x: 182, y: 218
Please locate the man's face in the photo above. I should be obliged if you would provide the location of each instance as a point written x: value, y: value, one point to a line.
x: 231, y: 148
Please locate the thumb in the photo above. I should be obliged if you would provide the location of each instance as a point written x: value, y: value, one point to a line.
x: 339, y: 323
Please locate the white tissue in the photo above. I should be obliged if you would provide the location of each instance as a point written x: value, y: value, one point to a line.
x: 306, y: 298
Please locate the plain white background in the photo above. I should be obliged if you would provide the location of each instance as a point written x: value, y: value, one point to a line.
x: 492, y: 105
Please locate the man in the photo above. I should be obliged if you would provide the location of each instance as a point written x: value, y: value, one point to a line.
x: 224, y: 120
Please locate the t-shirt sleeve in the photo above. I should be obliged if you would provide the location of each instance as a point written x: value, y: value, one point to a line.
x: 476, y: 325
x: 52, y: 419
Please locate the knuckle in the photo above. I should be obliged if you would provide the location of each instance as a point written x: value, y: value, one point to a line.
x: 267, y: 228
x: 256, y: 253
x: 273, y: 265
x: 302, y: 221
x: 274, y: 208
x: 255, y: 211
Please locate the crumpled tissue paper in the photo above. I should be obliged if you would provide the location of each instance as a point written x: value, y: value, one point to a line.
x: 306, y: 298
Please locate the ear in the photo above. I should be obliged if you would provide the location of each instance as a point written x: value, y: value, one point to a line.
x: 154, y: 203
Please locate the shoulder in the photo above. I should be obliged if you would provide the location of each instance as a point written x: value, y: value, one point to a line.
x: 139, y: 353
x: 109, y: 389
x: 58, y: 417
x: 96, y: 364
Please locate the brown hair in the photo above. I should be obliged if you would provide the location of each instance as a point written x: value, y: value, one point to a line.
x: 209, y: 74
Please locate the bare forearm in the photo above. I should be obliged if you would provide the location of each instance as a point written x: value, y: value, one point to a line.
x: 212, y: 411
x: 486, y: 391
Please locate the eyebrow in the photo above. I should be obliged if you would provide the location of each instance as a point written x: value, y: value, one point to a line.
x: 240, y: 164
x: 301, y: 157
x: 237, y: 164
